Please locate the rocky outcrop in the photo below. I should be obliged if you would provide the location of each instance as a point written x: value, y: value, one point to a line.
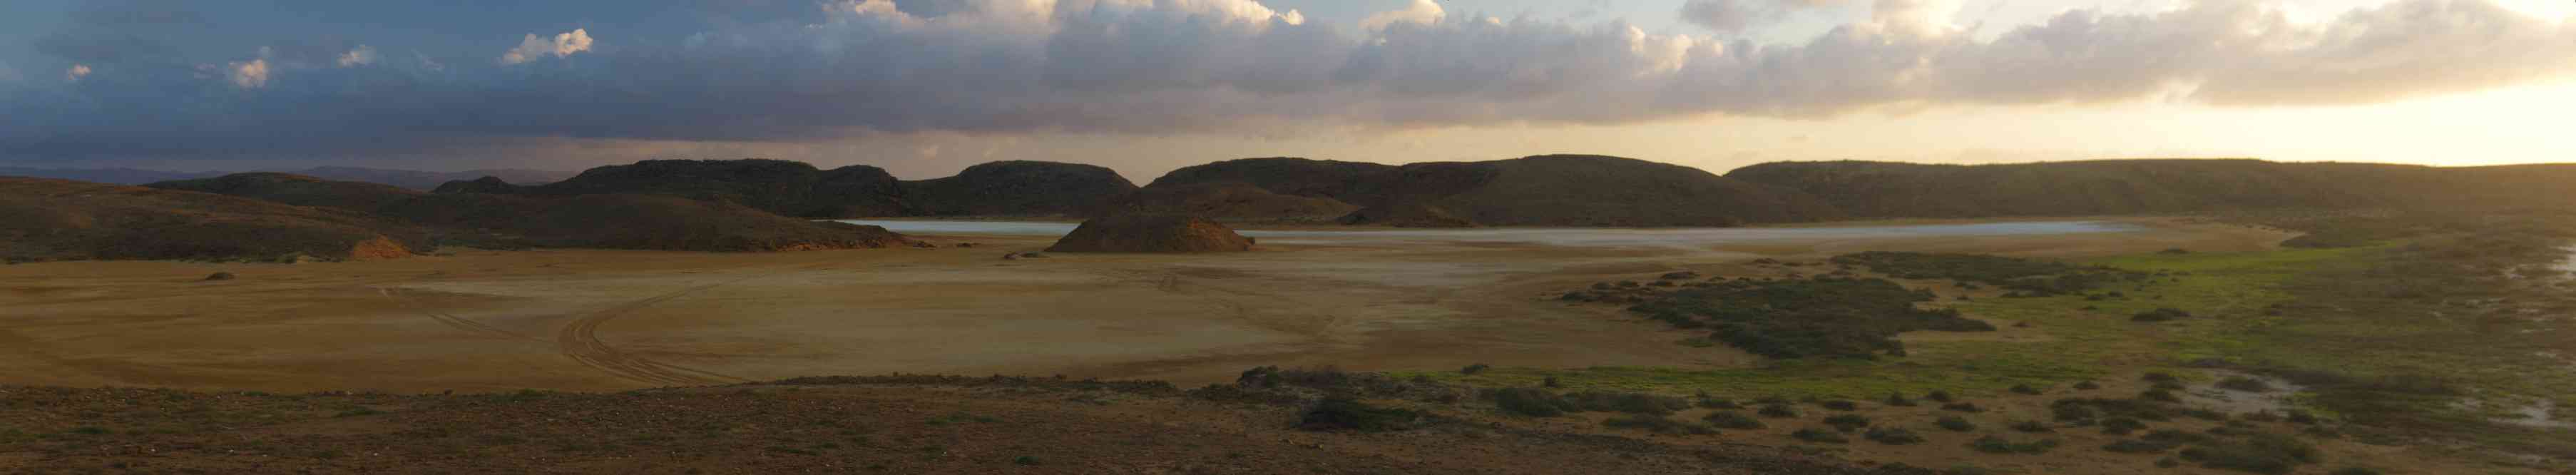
x: 1151, y: 233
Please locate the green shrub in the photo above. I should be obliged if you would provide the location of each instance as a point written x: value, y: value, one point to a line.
x: 1629, y: 403
x: 1732, y: 420
x: 1532, y: 402
x: 2241, y: 383
x: 1347, y: 414
x: 1847, y: 422
x: 2072, y: 412
x: 1840, y: 405
x: 1938, y: 396
x: 1825, y: 317
x: 1962, y: 407
x: 2032, y: 426
x: 1777, y: 411
x: 2122, y: 426
x: 1998, y: 445
x: 2354, y: 471
x: 2088, y: 385
x: 1657, y: 424
x: 1892, y: 436
x: 2134, y: 446
x: 2159, y: 395
x: 2160, y: 377
x: 1954, y: 423
x: 2257, y: 453
x: 2024, y: 389
x: 1899, y: 400
x: 1474, y: 368
x: 1819, y: 436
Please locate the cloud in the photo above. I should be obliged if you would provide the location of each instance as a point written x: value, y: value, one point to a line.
x: 74, y: 73
x: 251, y: 74
x: 1735, y: 16
x: 1423, y: 12
x: 533, y: 48
x: 1237, y: 66
x: 360, y: 56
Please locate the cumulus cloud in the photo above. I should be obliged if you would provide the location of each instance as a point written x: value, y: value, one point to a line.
x: 360, y: 56
x: 1160, y: 66
x: 1735, y: 16
x: 533, y: 48
x: 1421, y: 12
x: 251, y: 74
x: 76, y: 72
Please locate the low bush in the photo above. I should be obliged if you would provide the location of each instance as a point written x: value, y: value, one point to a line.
x: 1962, y: 407
x: 1955, y: 423
x: 1899, y: 400
x: 1657, y: 424
x: 2024, y: 389
x: 2134, y: 446
x: 1474, y: 368
x: 1998, y: 445
x: 2256, y: 453
x: 1349, y: 414
x: 1732, y: 420
x: 1532, y: 402
x: 2088, y: 385
x: 1847, y: 422
x: 1800, y: 318
x: 1629, y: 403
x: 2160, y: 314
x: 1938, y: 396
x: 2122, y: 426
x: 2032, y: 426
x: 1840, y: 405
x: 1819, y: 436
x: 2241, y: 383
x: 1777, y: 411
x: 1892, y: 436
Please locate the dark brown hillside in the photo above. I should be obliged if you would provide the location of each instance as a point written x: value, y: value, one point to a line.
x: 1018, y: 187
x: 1591, y: 190
x: 1231, y: 201
x: 613, y: 221
x: 1551, y: 190
x: 45, y: 219
x: 779, y: 186
x: 1349, y: 182
x: 1885, y: 189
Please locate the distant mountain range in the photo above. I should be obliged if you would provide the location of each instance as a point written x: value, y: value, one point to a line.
x: 412, y: 179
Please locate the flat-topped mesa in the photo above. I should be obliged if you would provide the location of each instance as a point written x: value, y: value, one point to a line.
x: 1151, y: 233
x: 1545, y: 190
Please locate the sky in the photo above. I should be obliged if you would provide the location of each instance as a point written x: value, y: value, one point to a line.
x: 927, y: 87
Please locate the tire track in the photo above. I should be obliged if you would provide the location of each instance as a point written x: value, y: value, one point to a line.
x: 453, y: 321
x: 579, y: 340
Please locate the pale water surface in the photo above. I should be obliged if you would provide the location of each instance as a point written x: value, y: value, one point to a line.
x: 1594, y: 237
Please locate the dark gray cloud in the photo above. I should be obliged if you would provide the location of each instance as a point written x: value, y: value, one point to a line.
x: 754, y: 70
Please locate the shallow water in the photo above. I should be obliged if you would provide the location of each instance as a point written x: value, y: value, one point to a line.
x: 1588, y: 237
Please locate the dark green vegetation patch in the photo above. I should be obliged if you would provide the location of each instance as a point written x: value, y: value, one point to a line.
x: 2026, y: 276
x: 1824, y: 317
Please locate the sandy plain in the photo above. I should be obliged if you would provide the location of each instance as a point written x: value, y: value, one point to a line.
x: 478, y: 320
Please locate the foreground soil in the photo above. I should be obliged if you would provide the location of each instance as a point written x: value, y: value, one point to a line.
x: 842, y: 425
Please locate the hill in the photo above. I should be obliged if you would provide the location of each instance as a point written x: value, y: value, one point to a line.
x: 47, y: 219
x: 1889, y: 189
x: 411, y: 179
x: 1547, y: 190
x: 798, y: 189
x: 612, y: 221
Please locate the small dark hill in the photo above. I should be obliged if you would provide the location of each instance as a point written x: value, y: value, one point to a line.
x: 1886, y: 189
x: 297, y: 190
x: 1591, y: 190
x: 1231, y: 201
x: 1549, y: 190
x: 489, y: 184
x: 1357, y: 183
x: 612, y: 221
x: 1009, y: 188
x: 1151, y: 233
x: 779, y: 186
x: 1018, y: 187
x: 46, y: 219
